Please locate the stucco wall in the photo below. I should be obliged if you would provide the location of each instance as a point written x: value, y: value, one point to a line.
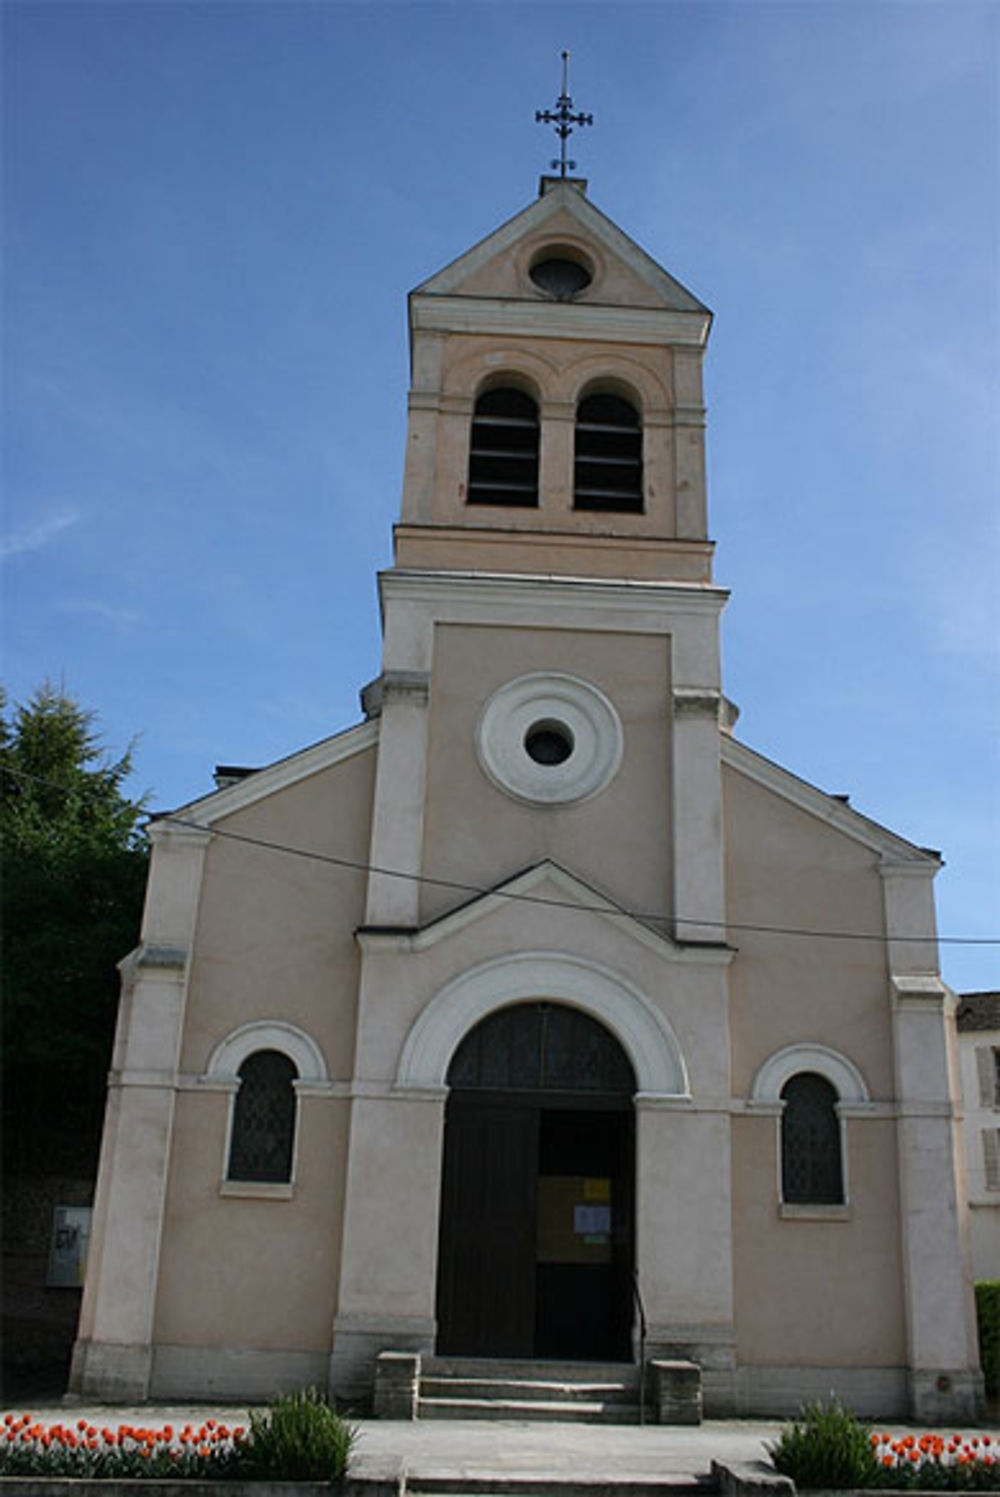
x: 275, y: 940
x: 620, y: 839
x: 810, y: 1292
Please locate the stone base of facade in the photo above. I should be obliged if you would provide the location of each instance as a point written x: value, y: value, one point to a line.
x: 780, y: 1392
x: 357, y: 1345
x: 111, y: 1372
x: 247, y: 1374
x: 947, y: 1396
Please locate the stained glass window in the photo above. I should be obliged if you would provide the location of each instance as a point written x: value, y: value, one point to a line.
x: 264, y: 1119
x: 811, y: 1168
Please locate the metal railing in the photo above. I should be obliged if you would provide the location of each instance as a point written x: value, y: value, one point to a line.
x: 640, y: 1307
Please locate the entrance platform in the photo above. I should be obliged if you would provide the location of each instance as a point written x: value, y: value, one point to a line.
x: 513, y: 1457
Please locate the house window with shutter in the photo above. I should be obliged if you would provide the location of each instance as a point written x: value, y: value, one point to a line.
x: 991, y: 1158
x: 988, y: 1068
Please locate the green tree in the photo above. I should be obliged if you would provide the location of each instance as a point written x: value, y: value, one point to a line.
x: 73, y: 871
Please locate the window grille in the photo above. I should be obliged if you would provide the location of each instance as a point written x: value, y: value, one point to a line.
x: 608, y: 468
x: 263, y: 1119
x: 541, y: 1047
x: 503, y: 449
x: 811, y: 1167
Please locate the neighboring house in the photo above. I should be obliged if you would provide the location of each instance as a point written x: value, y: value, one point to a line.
x: 450, y: 1030
x: 978, y: 1020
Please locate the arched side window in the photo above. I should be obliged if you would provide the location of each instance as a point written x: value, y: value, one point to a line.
x: 262, y: 1139
x: 812, y: 1170
x: 503, y: 450
x: 607, y: 471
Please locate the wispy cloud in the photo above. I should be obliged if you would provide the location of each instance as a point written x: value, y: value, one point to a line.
x: 122, y: 618
x: 36, y: 537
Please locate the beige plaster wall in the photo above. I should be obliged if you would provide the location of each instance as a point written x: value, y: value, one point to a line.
x: 786, y: 868
x: 274, y: 941
x: 810, y: 1292
x: 275, y: 934
x: 248, y: 1272
x: 818, y: 1293
x: 619, y: 839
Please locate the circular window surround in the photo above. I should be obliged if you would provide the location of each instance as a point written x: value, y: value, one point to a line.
x: 534, y: 255
x: 543, y: 702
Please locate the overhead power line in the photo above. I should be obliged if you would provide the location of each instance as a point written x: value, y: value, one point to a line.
x: 610, y: 907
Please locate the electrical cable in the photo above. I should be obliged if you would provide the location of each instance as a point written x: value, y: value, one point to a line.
x: 475, y: 891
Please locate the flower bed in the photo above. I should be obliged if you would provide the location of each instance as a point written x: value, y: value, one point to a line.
x: 29, y: 1447
x: 827, y: 1449
x: 933, y: 1462
x: 300, y: 1438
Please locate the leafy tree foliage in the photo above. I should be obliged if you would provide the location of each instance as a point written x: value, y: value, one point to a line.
x: 74, y: 867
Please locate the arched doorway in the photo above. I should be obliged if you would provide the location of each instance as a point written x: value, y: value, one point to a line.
x: 536, y: 1232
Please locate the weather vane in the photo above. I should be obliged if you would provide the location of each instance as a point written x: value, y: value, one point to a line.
x: 564, y: 119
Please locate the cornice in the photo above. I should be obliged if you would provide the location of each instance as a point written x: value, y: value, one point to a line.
x: 507, y: 590
x: 896, y: 854
x: 265, y: 782
x: 575, y: 320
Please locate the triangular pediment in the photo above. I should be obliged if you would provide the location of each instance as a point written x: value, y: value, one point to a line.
x: 548, y: 885
x: 625, y: 275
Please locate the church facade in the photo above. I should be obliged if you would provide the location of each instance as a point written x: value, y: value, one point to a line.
x: 483, y: 1023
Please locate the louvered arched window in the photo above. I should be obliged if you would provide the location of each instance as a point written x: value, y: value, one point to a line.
x: 608, y: 455
x: 263, y: 1133
x: 503, y: 450
x: 811, y: 1164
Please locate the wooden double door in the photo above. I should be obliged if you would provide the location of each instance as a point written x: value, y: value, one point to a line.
x: 536, y: 1231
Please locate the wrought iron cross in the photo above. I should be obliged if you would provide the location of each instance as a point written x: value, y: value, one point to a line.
x: 564, y: 120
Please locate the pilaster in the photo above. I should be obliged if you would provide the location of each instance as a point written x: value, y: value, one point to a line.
x: 699, y: 891
x: 398, y: 814
x: 112, y: 1358
x: 945, y: 1383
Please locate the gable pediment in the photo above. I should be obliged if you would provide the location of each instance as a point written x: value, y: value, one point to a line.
x: 545, y: 885
x: 623, y: 273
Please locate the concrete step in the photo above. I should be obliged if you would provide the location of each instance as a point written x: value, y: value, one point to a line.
x: 549, y: 1391
x: 589, y: 1411
x: 497, y: 1484
x: 528, y: 1369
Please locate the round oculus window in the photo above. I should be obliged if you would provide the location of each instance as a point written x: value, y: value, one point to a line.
x: 561, y: 277
x: 549, y: 739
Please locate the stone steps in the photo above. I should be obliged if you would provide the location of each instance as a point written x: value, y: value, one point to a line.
x: 566, y: 1392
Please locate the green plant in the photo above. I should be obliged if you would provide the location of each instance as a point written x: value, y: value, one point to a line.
x: 299, y: 1438
x: 988, y: 1317
x: 826, y: 1447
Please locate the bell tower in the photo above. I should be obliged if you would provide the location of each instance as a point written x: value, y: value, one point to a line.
x: 556, y: 422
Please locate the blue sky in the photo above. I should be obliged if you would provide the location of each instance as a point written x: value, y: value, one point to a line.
x: 213, y: 213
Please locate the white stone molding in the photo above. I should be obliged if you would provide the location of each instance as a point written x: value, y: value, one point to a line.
x: 644, y: 1034
x: 588, y: 720
x: 267, y: 1034
x: 266, y: 782
x: 896, y: 852
x: 524, y: 319
x: 842, y: 1074
x: 224, y: 1064
x: 853, y: 1099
